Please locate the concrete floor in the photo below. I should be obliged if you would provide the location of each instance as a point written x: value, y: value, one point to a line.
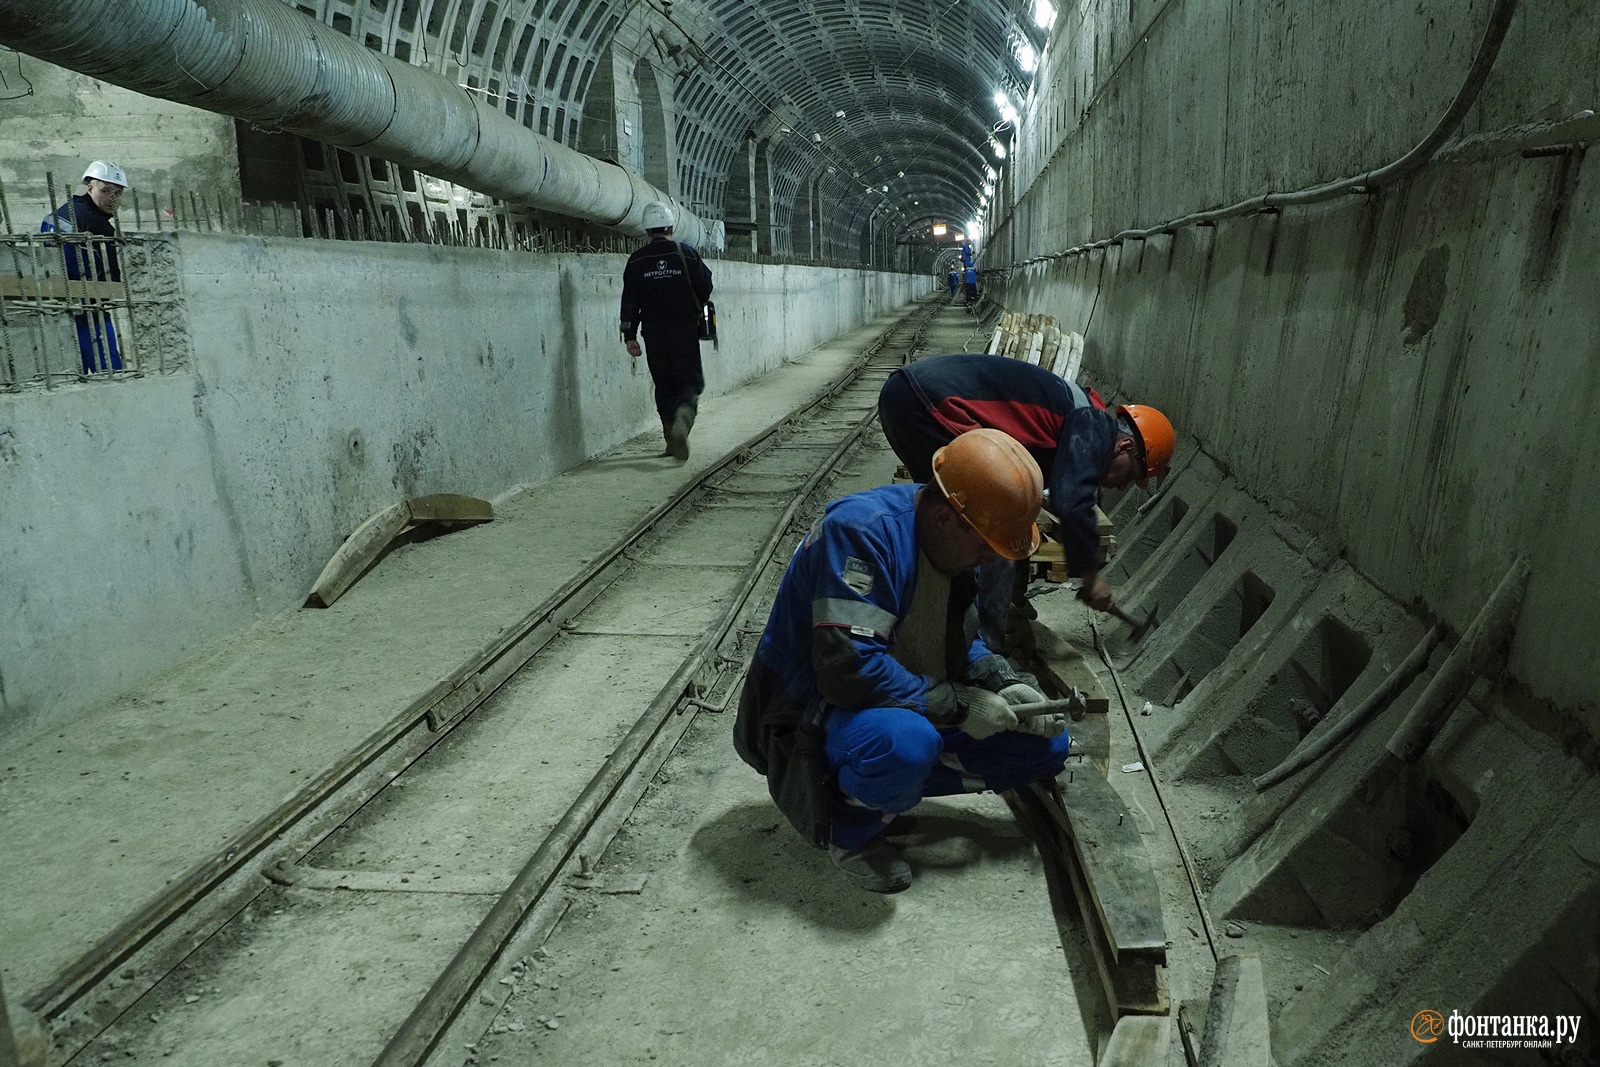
x: 118, y: 803
x: 130, y: 796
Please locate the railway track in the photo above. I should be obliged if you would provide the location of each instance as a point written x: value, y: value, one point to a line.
x: 447, y: 832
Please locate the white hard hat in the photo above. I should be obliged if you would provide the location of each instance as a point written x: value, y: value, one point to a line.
x: 106, y: 172
x: 658, y: 216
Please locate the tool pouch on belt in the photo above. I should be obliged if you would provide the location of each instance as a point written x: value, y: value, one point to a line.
x: 708, y: 310
x: 784, y: 742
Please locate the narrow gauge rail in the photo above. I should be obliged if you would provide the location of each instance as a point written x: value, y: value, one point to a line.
x: 111, y: 1002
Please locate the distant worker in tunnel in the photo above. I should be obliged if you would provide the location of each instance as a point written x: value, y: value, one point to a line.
x: 869, y: 689
x: 955, y: 279
x: 1079, y: 445
x: 665, y: 287
x: 90, y: 212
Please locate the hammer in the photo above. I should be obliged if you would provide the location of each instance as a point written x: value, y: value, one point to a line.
x: 1139, y: 629
x: 1072, y: 705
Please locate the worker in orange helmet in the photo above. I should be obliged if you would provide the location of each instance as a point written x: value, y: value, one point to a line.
x: 1079, y: 444
x: 870, y: 688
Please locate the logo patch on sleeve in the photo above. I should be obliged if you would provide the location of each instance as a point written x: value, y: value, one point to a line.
x: 857, y: 575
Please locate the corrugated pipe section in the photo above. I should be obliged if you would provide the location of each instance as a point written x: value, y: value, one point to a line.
x: 264, y: 62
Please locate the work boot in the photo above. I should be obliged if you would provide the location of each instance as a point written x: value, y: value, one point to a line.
x: 876, y: 866
x: 678, y: 433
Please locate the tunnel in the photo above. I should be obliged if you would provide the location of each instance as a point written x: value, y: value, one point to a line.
x: 373, y: 633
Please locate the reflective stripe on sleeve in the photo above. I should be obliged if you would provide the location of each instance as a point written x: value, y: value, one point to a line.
x: 857, y: 616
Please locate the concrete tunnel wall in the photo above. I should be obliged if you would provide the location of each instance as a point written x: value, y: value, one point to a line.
x: 326, y: 380
x: 1410, y: 375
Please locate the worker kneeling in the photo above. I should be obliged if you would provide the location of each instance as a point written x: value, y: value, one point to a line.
x: 870, y: 688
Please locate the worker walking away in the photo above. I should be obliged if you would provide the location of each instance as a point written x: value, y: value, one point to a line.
x: 665, y: 287
x: 1079, y: 446
x: 955, y: 280
x: 90, y: 212
x: 869, y: 688
x: 969, y: 277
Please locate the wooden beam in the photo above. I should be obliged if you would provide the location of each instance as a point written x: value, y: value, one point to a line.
x: 1059, y: 664
x: 1139, y: 1041
x: 1133, y: 987
x: 1116, y: 867
x: 451, y: 508
x: 1236, y: 1032
x: 56, y: 288
x: 359, y: 551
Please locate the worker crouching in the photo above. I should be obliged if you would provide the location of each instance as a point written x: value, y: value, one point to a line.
x: 870, y: 688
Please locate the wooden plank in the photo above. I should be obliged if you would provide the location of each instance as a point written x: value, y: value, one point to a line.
x: 450, y: 507
x: 1139, y: 1041
x: 1132, y: 987
x: 1236, y: 1032
x: 1191, y: 1021
x: 56, y: 288
x: 1116, y: 867
x: 1049, y: 552
x: 1060, y: 667
x: 1091, y: 746
x: 357, y: 553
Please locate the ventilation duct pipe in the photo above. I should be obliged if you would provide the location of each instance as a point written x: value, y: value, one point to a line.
x: 264, y: 62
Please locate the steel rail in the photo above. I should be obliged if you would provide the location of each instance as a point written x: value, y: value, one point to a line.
x: 420, y: 1032
x: 445, y: 705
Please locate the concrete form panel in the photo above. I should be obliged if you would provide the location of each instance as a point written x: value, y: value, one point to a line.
x: 1422, y: 362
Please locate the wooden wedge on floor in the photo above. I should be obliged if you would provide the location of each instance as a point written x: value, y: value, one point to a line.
x: 363, y: 548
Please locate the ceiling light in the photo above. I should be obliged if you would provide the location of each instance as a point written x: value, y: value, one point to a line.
x: 1025, y: 56
x: 838, y: 114
x: 1044, y: 14
x: 1003, y: 104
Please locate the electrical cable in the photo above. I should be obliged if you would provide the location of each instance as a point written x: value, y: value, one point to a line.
x: 1367, y: 182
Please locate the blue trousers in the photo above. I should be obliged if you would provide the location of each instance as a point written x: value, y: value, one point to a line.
x: 97, y: 342
x: 885, y: 760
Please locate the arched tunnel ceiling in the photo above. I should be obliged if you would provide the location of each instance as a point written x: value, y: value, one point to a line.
x: 915, y: 80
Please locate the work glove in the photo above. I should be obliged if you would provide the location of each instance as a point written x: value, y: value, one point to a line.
x: 986, y: 713
x: 1021, y: 693
x: 1052, y: 725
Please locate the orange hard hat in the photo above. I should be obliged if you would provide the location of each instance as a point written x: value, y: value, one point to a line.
x: 1156, y: 438
x: 995, y: 485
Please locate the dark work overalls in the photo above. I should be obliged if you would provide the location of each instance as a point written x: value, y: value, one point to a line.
x: 664, y: 304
